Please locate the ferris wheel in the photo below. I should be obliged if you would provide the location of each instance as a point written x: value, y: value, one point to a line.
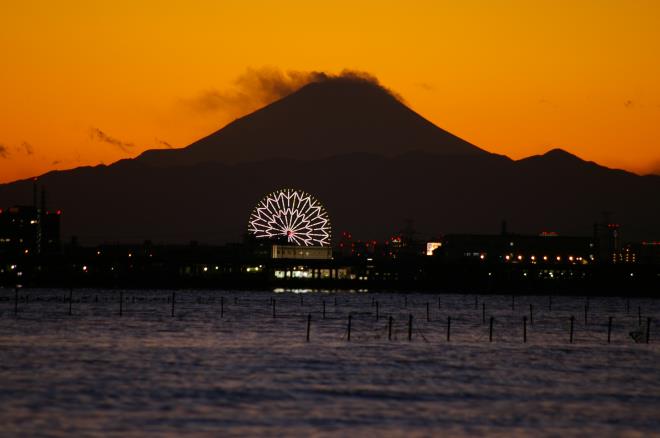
x: 293, y: 214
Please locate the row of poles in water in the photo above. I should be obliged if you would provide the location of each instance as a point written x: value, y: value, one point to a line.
x: 638, y: 335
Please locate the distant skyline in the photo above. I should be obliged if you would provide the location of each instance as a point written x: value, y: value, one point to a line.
x: 88, y: 83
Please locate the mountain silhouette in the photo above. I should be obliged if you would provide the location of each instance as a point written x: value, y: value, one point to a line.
x: 322, y: 119
x: 368, y: 158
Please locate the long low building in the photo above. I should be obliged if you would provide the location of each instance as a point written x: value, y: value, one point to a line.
x: 512, y: 248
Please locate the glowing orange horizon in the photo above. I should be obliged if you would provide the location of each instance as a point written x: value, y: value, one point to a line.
x: 87, y: 83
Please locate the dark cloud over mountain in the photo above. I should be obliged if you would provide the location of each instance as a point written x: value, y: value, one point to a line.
x: 258, y: 87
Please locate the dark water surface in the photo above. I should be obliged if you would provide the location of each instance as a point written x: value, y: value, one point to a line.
x: 147, y: 373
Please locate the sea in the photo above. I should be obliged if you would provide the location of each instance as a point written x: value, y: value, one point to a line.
x: 134, y: 363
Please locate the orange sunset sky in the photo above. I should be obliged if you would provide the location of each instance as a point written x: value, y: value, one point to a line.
x: 88, y: 82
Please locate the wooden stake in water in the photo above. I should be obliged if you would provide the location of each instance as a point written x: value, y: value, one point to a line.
x: 273, y: 308
x: 438, y: 302
x: 410, y: 321
x: 222, y: 307
x: 648, y: 329
x: 490, y: 331
x: 348, y: 336
x: 309, y: 323
x: 70, y: 299
x: 428, y: 314
x: 571, y: 330
x: 389, y: 328
x: 609, y: 329
x: 524, y: 329
x: 323, y: 309
x: 448, y: 328
x: 173, y: 300
x: 586, y: 314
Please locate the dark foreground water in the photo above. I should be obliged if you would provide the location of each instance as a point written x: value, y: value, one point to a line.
x: 147, y: 373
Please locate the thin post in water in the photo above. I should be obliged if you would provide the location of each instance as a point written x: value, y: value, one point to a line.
x: 428, y: 314
x: 222, y: 307
x: 586, y: 314
x: 609, y: 329
x: 273, y: 308
x: 571, y: 330
x: 348, y: 335
x: 389, y: 329
x: 309, y: 323
x: 323, y: 309
x: 15, y: 300
x: 410, y: 322
x: 648, y: 329
x: 448, y: 328
x: 490, y: 331
x: 70, y: 299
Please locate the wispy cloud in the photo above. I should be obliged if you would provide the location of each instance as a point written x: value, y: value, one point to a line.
x: 27, y: 148
x: 101, y: 136
x: 259, y: 87
x: 164, y: 143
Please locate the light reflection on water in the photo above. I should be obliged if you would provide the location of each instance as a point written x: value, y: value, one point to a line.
x: 147, y: 373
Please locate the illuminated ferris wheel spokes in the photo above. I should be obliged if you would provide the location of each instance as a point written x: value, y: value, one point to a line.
x: 293, y: 214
